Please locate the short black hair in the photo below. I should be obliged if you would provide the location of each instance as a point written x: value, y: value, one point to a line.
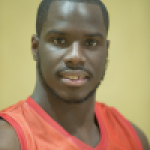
x: 45, y: 5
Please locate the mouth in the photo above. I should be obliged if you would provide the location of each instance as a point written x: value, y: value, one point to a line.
x: 74, y: 79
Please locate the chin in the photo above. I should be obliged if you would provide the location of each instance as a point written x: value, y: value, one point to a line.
x: 75, y: 97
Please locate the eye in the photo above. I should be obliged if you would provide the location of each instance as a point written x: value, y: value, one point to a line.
x: 91, y: 42
x: 59, y: 40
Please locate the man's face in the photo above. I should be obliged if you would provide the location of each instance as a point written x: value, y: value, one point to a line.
x: 73, y: 49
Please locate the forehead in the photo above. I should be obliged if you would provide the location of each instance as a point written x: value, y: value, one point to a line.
x: 72, y: 15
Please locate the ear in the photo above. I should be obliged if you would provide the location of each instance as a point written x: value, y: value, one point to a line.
x: 34, y: 46
x: 107, y: 46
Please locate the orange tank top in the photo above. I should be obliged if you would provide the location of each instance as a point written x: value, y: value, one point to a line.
x: 36, y: 130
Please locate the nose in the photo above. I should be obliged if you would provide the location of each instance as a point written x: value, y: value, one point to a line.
x: 74, y: 55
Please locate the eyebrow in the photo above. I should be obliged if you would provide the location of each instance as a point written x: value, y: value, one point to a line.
x: 64, y: 33
x: 56, y: 32
x: 95, y: 35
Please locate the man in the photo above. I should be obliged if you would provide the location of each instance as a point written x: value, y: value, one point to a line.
x: 71, y: 51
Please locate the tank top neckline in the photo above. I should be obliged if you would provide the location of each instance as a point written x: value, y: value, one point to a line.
x: 102, y: 145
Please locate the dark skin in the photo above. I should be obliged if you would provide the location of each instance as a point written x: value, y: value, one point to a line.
x: 77, y: 27
x: 80, y: 39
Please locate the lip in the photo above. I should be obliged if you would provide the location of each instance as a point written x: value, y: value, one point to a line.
x: 74, y: 82
x: 74, y: 73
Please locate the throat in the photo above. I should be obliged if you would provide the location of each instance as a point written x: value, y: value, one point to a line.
x: 91, y: 138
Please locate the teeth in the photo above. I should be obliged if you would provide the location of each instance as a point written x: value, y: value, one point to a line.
x: 75, y: 77
x: 72, y: 77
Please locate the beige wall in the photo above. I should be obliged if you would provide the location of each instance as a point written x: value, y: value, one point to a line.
x: 127, y: 82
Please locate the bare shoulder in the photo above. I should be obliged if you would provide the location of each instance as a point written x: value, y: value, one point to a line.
x: 142, y: 137
x: 8, y: 137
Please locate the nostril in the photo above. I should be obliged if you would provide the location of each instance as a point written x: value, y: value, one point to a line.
x: 69, y: 62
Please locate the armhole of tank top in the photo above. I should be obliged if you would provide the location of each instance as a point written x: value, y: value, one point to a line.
x: 17, y: 128
x: 129, y: 126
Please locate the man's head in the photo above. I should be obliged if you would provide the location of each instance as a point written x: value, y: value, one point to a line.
x: 71, y: 47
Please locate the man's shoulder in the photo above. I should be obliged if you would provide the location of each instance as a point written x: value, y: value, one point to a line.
x: 8, y: 137
x: 142, y: 137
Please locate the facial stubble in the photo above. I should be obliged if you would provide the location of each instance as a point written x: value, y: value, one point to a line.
x: 54, y: 93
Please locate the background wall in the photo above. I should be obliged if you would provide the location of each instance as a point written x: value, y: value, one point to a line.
x: 127, y: 81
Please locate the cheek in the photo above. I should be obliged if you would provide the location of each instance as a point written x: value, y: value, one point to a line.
x: 97, y: 61
x: 50, y: 52
x: 50, y: 58
x: 98, y: 66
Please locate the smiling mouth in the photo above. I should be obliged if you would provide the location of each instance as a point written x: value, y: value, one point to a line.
x: 74, y: 80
